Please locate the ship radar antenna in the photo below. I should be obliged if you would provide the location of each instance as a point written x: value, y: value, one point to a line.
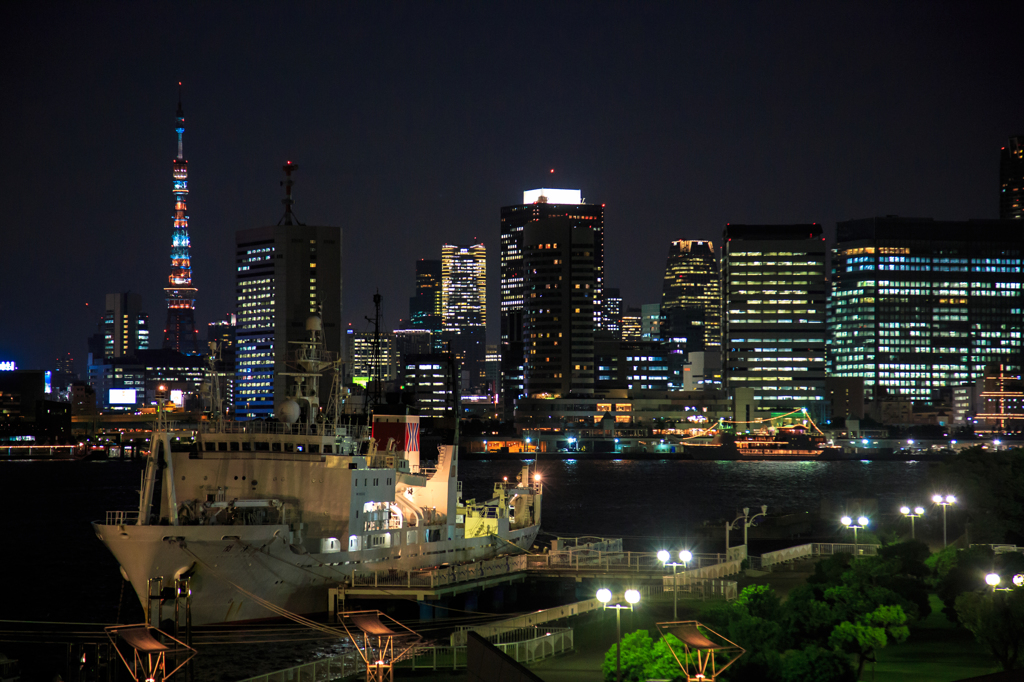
x: 288, y: 218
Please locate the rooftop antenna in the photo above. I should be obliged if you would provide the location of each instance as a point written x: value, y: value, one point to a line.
x: 288, y: 217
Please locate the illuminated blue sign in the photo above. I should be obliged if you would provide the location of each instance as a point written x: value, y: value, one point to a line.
x: 8, y: 365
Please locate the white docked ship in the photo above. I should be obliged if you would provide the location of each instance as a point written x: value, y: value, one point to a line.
x: 266, y: 517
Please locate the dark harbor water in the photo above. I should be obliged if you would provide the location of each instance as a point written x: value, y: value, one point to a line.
x: 53, y: 568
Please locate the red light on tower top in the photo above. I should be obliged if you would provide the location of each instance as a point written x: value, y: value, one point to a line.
x: 552, y: 170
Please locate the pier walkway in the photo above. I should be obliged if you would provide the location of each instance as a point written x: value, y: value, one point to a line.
x: 578, y: 563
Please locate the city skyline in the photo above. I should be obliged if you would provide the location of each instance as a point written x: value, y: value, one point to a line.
x: 683, y: 120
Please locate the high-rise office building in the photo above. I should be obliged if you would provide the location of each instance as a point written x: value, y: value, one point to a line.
x: 632, y: 325
x: 123, y: 329
x: 412, y: 342
x: 613, y: 312
x: 464, y: 306
x: 1011, y: 180
x: 919, y: 304
x: 463, y: 287
x: 558, y: 316
x: 222, y: 340
x: 691, y: 297
x: 651, y: 322
x: 425, y: 306
x: 538, y: 204
x: 284, y: 274
x: 370, y: 356
x: 774, y: 285
x: 180, y: 330
x: 425, y: 376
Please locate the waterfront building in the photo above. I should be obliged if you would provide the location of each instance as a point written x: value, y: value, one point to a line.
x: 425, y: 311
x: 632, y: 413
x: 691, y: 296
x: 630, y: 365
x: 920, y: 305
x: 129, y: 383
x: 1011, y: 180
x: 538, y: 204
x: 1002, y: 401
x: 558, y: 316
x: 180, y: 330
x: 27, y: 415
x: 464, y: 306
x: 774, y: 286
x: 702, y: 371
x: 284, y: 274
x: 845, y: 398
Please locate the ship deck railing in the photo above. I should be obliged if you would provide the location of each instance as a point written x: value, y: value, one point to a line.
x: 440, y: 577
x: 283, y: 429
x: 122, y: 518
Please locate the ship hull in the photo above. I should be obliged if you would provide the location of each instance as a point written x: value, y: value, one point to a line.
x: 241, y: 573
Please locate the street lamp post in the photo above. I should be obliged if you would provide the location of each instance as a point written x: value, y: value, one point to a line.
x: 945, y: 501
x: 748, y: 521
x: 684, y: 556
x: 918, y: 511
x: 604, y: 596
x: 862, y: 522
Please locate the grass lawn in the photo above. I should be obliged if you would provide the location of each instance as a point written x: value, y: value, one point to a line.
x: 936, y: 651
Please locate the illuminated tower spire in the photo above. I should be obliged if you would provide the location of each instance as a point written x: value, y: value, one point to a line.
x: 180, y: 332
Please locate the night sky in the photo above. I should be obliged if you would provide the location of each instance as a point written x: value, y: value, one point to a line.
x: 413, y: 123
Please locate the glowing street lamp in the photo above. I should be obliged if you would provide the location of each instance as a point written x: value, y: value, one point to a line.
x: 918, y: 511
x: 604, y: 596
x: 862, y: 522
x: 993, y: 581
x: 685, y: 556
x: 945, y: 501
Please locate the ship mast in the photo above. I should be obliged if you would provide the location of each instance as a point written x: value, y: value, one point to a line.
x: 372, y: 400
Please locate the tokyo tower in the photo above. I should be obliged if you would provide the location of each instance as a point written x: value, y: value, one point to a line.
x: 180, y: 331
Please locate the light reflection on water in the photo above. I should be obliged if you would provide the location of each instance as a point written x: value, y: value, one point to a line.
x: 667, y: 497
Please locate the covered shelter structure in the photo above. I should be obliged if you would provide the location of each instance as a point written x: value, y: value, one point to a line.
x: 706, y: 654
x: 150, y: 650
x: 376, y: 642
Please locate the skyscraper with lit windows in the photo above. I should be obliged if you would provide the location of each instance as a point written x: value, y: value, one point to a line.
x: 774, y: 288
x: 425, y: 305
x: 1011, y: 180
x: 919, y: 305
x: 464, y: 305
x: 558, y: 322
x: 284, y: 273
x: 538, y: 204
x: 691, y: 296
x: 463, y: 287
